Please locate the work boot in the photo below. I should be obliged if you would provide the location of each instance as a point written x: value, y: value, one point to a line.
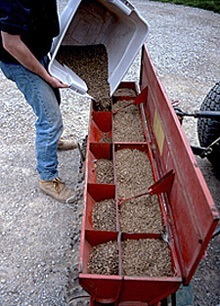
x: 56, y: 189
x: 66, y: 144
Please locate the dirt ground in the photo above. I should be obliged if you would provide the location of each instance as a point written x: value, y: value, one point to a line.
x: 39, y: 237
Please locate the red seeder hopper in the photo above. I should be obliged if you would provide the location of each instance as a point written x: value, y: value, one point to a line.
x: 188, y: 214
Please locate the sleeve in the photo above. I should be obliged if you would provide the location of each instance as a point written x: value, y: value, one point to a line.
x: 14, y: 16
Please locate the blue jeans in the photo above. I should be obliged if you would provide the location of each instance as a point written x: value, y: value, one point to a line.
x: 44, y: 101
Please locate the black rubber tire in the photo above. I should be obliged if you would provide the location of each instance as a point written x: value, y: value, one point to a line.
x: 209, y: 128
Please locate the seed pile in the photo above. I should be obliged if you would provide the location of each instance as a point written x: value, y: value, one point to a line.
x: 104, y: 215
x: 104, y: 259
x: 90, y: 63
x: 125, y: 92
x: 133, y: 172
x: 146, y: 257
x: 127, y: 117
x: 141, y: 215
x: 104, y: 171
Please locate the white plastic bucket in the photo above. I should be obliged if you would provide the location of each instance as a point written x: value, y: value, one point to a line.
x: 113, y: 23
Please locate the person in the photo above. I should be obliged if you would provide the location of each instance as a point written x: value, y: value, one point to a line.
x: 27, y: 31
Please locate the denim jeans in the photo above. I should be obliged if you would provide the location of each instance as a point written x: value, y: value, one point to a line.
x: 44, y: 101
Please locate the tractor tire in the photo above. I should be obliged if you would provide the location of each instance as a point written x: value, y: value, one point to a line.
x: 209, y: 128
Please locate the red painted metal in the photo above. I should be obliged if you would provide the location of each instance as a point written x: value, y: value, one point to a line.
x: 100, y: 126
x: 192, y: 211
x: 188, y: 212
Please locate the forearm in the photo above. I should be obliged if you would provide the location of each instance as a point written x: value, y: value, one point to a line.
x: 15, y: 46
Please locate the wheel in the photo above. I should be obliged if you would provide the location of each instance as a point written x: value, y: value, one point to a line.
x: 209, y: 128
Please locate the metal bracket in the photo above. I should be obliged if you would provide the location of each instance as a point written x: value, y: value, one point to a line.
x: 204, y: 152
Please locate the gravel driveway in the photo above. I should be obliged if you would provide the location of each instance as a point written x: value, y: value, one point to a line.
x: 40, y: 237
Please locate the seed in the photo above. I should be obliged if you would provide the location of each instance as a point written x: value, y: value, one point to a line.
x: 104, y: 215
x: 90, y: 63
x: 133, y: 172
x: 146, y: 257
x: 104, y: 259
x: 127, y: 125
x: 104, y: 171
x: 141, y: 215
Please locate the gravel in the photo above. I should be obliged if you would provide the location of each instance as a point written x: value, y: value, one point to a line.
x: 39, y: 246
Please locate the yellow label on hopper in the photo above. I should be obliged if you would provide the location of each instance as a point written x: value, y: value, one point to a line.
x: 158, y: 132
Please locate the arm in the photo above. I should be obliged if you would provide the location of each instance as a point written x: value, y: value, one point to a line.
x: 15, y: 46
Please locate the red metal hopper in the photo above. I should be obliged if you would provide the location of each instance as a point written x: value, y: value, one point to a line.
x: 189, y: 216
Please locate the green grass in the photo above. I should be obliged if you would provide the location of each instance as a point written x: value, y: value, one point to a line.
x: 211, y: 5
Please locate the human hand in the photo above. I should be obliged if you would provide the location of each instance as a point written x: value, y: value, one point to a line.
x: 54, y: 82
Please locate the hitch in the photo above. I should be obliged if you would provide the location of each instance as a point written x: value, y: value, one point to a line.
x: 204, y: 152
x: 200, y: 151
x: 197, y: 114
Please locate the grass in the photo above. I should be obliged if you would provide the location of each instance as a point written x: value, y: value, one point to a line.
x: 211, y: 5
